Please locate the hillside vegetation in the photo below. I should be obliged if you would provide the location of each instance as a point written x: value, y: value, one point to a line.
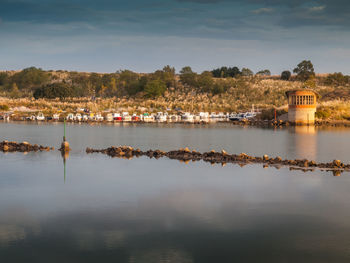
x: 231, y: 90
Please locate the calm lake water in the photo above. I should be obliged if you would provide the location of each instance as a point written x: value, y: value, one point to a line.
x: 102, y: 209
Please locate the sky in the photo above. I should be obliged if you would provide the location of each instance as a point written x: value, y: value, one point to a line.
x: 143, y: 36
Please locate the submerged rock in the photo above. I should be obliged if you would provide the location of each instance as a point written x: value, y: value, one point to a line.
x: 186, y: 155
x: 24, y: 147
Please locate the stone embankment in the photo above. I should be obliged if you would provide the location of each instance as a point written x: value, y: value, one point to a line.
x: 222, y: 158
x: 6, y: 146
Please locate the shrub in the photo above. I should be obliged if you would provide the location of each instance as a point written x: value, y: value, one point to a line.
x: 285, y: 75
x: 4, y: 107
x: 323, y: 113
x: 269, y: 114
x: 55, y: 90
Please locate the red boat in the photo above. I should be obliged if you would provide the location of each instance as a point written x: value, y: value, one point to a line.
x: 135, y: 118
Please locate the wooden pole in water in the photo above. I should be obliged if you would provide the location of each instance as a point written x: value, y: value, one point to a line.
x: 65, y: 144
x: 64, y: 130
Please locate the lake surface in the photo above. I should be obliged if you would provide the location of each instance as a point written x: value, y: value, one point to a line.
x: 102, y: 209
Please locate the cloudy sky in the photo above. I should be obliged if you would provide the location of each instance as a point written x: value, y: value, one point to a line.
x: 144, y: 35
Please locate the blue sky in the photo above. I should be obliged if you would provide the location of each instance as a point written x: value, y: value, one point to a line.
x: 106, y: 35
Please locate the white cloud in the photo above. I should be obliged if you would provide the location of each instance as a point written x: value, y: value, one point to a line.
x: 317, y: 8
x: 263, y: 10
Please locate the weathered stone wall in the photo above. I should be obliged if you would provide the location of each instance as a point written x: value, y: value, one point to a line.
x: 301, y: 115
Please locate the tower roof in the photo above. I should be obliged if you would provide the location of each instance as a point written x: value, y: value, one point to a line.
x: 302, y: 92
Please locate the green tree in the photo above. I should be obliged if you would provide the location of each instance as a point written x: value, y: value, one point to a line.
x: 310, y: 82
x: 55, y: 90
x: 30, y: 78
x: 217, y: 89
x: 188, y: 77
x: 337, y: 79
x: 247, y: 72
x: 3, y: 78
x: 15, y: 93
x: 285, y: 75
x: 225, y: 72
x: 155, y: 88
x: 167, y: 75
x: 304, y: 70
x: 265, y: 72
x: 205, y: 81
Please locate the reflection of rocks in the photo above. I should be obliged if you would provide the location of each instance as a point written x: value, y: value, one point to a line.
x: 185, y: 155
x: 337, y: 172
x: 24, y: 147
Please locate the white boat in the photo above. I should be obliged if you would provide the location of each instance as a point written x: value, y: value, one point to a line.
x: 147, y: 118
x: 204, y: 115
x: 161, y: 117
x: 174, y: 118
x: 221, y: 115
x: 188, y: 117
x: 213, y: 115
x: 32, y: 118
x: 196, y: 117
x: 40, y: 117
x: 117, y: 117
x: 126, y: 118
x: 98, y: 117
x: 85, y: 117
x: 237, y: 117
x: 78, y: 117
x: 70, y: 117
x: 109, y: 117
x: 250, y: 115
x: 55, y: 117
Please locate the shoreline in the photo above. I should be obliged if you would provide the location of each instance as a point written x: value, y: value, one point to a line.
x: 253, y: 123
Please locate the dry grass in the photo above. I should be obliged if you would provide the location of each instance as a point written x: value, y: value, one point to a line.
x: 240, y: 96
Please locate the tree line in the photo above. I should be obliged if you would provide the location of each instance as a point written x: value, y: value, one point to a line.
x: 62, y: 84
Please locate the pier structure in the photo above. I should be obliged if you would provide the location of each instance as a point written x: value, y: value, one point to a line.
x: 302, y: 106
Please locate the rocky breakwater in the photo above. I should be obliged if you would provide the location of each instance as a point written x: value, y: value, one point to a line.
x: 6, y: 146
x: 222, y: 157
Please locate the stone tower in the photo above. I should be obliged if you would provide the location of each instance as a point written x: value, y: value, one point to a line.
x: 301, y: 106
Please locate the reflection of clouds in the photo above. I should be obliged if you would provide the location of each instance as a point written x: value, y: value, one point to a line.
x: 184, y: 225
x: 114, y: 238
x: 16, y: 224
x: 88, y: 238
x: 10, y: 233
x: 160, y: 255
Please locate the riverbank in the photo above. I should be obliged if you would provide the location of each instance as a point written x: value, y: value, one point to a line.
x: 209, y: 122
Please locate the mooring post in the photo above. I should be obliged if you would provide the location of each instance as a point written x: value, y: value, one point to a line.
x: 64, y: 130
x: 65, y: 144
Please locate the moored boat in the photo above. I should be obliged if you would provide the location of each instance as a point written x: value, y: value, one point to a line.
x: 40, y: 117
x: 109, y: 117
x: 188, y: 117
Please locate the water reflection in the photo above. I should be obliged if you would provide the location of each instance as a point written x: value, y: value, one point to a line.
x: 321, y: 143
x: 304, y: 142
x: 146, y: 210
x: 65, y: 155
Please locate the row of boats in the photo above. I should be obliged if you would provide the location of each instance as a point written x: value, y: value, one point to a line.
x: 145, y: 117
